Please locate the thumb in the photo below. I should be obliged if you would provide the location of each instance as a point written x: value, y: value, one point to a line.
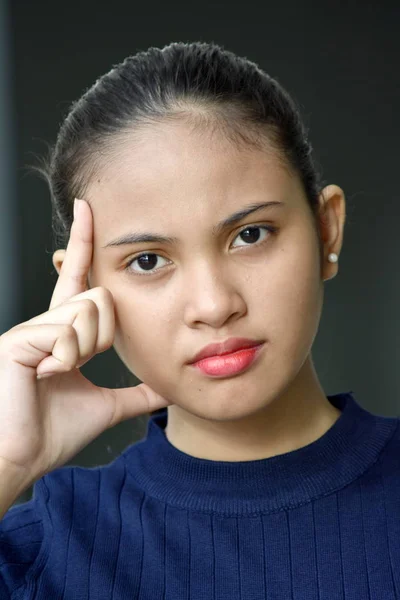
x: 134, y: 401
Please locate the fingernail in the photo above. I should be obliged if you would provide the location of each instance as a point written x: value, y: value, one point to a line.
x: 44, y: 375
x: 76, y: 208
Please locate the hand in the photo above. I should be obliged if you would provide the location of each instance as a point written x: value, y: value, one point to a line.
x: 45, y: 422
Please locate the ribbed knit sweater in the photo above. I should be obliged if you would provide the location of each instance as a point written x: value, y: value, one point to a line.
x: 319, y: 523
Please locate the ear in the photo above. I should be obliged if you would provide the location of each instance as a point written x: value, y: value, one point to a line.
x: 58, y: 259
x: 332, y: 217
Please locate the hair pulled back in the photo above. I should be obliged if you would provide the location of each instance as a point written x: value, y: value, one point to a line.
x: 202, y: 83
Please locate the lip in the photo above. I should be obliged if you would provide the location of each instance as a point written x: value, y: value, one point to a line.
x: 226, y: 347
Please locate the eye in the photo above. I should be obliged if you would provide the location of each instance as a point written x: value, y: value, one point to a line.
x: 148, y: 260
x: 253, y: 236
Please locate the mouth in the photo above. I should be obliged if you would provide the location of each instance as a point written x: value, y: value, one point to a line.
x: 229, y: 346
x: 228, y: 364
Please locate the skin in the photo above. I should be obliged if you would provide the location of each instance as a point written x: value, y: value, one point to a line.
x: 206, y: 289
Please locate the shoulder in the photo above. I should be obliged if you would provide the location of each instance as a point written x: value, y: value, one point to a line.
x: 21, y: 538
x: 389, y: 458
x: 35, y: 530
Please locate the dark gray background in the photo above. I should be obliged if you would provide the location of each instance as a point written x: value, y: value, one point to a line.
x: 340, y: 61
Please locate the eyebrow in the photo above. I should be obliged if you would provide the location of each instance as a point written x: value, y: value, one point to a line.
x: 136, y: 237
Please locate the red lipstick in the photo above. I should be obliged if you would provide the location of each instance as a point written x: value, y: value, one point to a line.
x: 233, y: 356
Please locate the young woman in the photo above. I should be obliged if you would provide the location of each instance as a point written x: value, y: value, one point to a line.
x: 198, y: 248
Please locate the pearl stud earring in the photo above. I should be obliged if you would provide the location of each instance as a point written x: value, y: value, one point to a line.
x: 333, y: 257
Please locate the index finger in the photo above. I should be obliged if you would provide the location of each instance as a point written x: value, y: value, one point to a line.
x: 78, y: 257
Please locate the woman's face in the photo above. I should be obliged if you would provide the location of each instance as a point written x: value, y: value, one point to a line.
x: 207, y: 285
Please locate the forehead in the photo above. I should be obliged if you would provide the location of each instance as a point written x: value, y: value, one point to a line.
x: 171, y: 168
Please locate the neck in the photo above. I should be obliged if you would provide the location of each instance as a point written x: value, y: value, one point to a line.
x: 291, y: 420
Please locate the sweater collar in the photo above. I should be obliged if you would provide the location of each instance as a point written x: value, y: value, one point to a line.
x: 338, y: 457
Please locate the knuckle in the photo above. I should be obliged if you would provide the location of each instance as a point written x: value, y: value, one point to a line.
x: 104, y: 294
x: 104, y: 344
x: 68, y: 331
x: 89, y: 305
x: 68, y: 364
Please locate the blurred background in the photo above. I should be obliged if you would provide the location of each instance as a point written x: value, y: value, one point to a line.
x: 339, y: 60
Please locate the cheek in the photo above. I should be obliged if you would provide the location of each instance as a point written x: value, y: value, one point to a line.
x: 141, y: 326
x: 293, y: 299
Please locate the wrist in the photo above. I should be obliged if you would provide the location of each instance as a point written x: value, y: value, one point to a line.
x: 14, y: 481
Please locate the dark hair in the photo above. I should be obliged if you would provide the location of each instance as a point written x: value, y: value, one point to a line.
x: 203, y: 84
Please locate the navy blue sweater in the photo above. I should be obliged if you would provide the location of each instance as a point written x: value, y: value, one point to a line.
x: 321, y: 522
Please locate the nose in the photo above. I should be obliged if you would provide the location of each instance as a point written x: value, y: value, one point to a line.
x: 213, y: 296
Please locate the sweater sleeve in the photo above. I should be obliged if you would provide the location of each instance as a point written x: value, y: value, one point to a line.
x: 22, y: 536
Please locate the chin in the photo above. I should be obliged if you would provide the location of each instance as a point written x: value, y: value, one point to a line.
x: 212, y: 407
